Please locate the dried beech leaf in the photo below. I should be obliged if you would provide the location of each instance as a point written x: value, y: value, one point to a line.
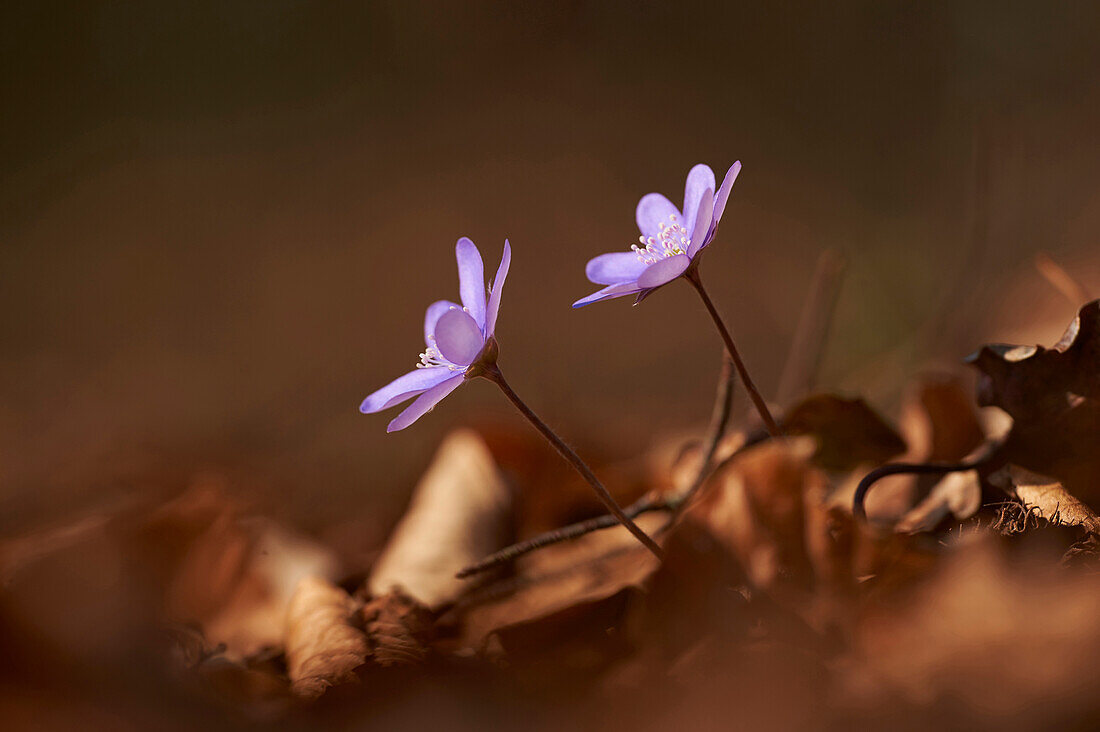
x: 323, y: 648
x: 1048, y: 497
x: 754, y: 507
x: 996, y: 642
x: 849, y: 433
x: 939, y: 421
x: 956, y: 494
x: 1032, y: 382
x: 1062, y: 446
x: 831, y: 533
x: 940, y: 424
x: 587, y: 570
x: 237, y: 579
x: 459, y: 514
x: 399, y: 629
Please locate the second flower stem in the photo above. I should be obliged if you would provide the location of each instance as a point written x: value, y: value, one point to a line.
x: 758, y: 401
x: 493, y: 374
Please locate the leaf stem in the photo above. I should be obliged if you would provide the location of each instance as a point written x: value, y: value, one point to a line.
x: 692, y: 276
x: 493, y: 373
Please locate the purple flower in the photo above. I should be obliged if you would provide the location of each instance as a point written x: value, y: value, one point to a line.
x: 669, y: 242
x: 456, y: 337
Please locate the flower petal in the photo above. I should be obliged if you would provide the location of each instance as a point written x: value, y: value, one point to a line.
x: 663, y: 271
x: 471, y: 279
x: 425, y: 402
x: 402, y: 388
x: 702, y: 223
x: 435, y: 312
x: 700, y: 178
x: 495, y: 288
x: 607, y: 293
x: 724, y: 191
x: 653, y: 210
x: 458, y: 337
x: 614, y: 268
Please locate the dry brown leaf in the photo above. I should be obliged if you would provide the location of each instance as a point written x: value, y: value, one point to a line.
x: 323, y: 648
x: 1033, y: 383
x: 460, y: 513
x: 587, y: 570
x: 237, y: 580
x: 754, y: 508
x: 399, y: 629
x: 998, y: 642
x: 553, y: 493
x: 831, y: 533
x: 848, y: 432
x: 940, y: 424
x: 1047, y: 497
x: 956, y: 494
x: 1062, y: 446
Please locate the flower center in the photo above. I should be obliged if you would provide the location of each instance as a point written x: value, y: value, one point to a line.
x: 432, y: 358
x: 671, y: 240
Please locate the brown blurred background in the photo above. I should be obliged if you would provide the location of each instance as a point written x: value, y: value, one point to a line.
x: 220, y: 222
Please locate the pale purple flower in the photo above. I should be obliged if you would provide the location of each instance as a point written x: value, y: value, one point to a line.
x: 670, y: 239
x: 455, y: 336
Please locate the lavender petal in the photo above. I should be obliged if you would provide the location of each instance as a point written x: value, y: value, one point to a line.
x: 663, y: 271
x: 434, y: 313
x: 699, y: 179
x: 495, y: 289
x: 607, y: 293
x: 425, y: 402
x: 404, y: 387
x: 614, y: 268
x: 724, y: 191
x: 653, y: 210
x: 471, y: 279
x: 458, y: 337
x: 702, y: 224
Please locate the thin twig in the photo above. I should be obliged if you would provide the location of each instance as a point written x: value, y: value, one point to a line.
x: 565, y: 533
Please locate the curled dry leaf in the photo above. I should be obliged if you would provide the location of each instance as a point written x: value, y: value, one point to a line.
x: 399, y: 629
x: 460, y: 512
x: 996, y: 641
x: 1047, y: 497
x: 323, y: 647
x: 1034, y: 383
x: 754, y: 508
x: 563, y: 580
x: 849, y: 433
x: 940, y: 424
x: 956, y: 494
x: 237, y: 580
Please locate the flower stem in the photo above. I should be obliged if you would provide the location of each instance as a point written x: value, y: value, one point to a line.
x: 692, y: 276
x: 493, y: 374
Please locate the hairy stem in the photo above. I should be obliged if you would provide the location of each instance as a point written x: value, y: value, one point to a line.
x: 493, y: 374
x: 565, y: 533
x: 758, y: 401
x: 719, y: 419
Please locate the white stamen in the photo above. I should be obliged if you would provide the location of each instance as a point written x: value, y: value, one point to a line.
x: 672, y: 239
